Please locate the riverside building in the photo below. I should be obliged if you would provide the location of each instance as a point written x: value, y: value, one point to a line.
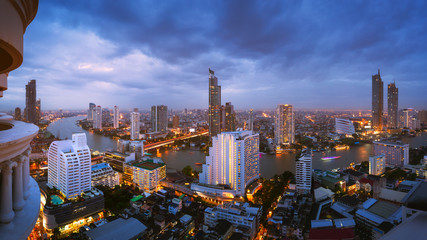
x: 303, y: 172
x: 69, y: 167
x: 232, y: 164
x: 396, y: 153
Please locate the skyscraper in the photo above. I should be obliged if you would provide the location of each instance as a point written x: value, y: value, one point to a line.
x: 134, y: 126
x: 377, y: 102
x: 251, y: 120
x: 159, y: 118
x: 392, y: 106
x: 214, y: 105
x: 175, y: 121
x: 233, y: 160
x: 97, y: 117
x: 284, y: 130
x: 116, y: 117
x: 91, y: 111
x: 69, y: 166
x: 229, y: 118
x: 303, y: 171
x: 30, y: 101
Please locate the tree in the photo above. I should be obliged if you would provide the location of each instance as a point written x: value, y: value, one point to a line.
x: 187, y: 170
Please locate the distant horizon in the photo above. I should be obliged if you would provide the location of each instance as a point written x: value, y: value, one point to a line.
x: 315, y: 54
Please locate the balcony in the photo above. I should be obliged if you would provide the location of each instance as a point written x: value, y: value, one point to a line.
x: 19, y: 193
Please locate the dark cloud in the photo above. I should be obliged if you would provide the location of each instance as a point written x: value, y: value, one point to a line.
x: 307, y: 53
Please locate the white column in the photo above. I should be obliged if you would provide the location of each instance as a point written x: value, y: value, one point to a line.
x: 6, y: 211
x: 18, y: 198
x: 26, y: 172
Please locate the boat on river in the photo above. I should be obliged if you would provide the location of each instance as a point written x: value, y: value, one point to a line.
x: 330, y: 158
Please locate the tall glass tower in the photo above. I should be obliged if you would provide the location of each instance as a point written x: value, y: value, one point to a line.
x: 214, y: 105
x: 377, y: 102
x: 392, y: 106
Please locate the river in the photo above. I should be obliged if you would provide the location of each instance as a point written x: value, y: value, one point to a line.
x: 270, y: 164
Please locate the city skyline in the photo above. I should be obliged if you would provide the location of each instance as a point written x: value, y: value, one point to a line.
x: 262, y: 54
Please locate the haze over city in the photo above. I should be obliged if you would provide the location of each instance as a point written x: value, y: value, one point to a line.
x: 310, y: 54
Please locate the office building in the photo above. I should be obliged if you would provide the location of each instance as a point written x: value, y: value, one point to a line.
x: 214, y: 105
x: 396, y: 153
x: 233, y: 161
x: 251, y: 120
x: 408, y: 119
x: 228, y: 118
x: 19, y: 192
x: 18, y: 114
x: 134, y: 125
x: 97, y: 117
x: 103, y: 174
x: 30, y: 102
x: 91, y: 111
x: 284, y: 129
x: 392, y: 106
x: 377, y: 102
x: 303, y: 172
x: 159, y: 118
x: 116, y: 117
x: 344, y: 126
x: 175, y: 121
x: 243, y: 217
x: 377, y: 164
x: 69, y: 168
x: 145, y: 174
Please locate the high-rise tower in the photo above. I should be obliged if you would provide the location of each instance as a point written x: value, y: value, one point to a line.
x: 134, y: 126
x: 159, y: 118
x: 30, y: 101
x: 116, y: 117
x: 303, y: 171
x: 90, y: 112
x: 392, y: 105
x: 97, y: 117
x: 284, y: 130
x: 214, y: 105
x: 377, y: 102
x: 251, y: 120
x: 69, y: 166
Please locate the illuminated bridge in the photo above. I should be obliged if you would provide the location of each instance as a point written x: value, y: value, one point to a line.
x: 171, y: 141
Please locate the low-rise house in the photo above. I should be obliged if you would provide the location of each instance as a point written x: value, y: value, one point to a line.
x: 175, y: 206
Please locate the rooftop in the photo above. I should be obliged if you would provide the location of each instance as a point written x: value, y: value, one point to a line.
x: 417, y: 197
x: 149, y: 165
x: 383, y: 209
x: 117, y: 229
x: 412, y: 228
x: 397, y: 144
x: 99, y: 166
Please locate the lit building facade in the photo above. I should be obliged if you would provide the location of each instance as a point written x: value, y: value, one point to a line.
x: 69, y: 167
x: 175, y: 121
x: 97, y: 117
x: 134, y: 125
x: 392, y: 106
x: 284, y: 129
x: 251, y: 120
x: 103, y: 174
x: 116, y: 117
x: 408, y: 118
x: 377, y: 102
x: 90, y: 111
x: 396, y: 153
x: 159, y: 118
x: 228, y: 118
x: 303, y: 172
x: 344, y: 126
x: 145, y: 174
x: 214, y: 105
x: 238, y: 214
x: 233, y: 160
x: 377, y: 164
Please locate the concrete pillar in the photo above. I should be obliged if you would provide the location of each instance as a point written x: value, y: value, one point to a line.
x: 6, y: 211
x: 18, y: 197
x: 26, y: 173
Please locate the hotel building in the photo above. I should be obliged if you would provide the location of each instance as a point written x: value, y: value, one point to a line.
x: 69, y: 166
x: 303, y: 172
x: 145, y: 174
x: 103, y: 174
x: 233, y: 161
x: 284, y: 129
x: 344, y: 126
x: 396, y: 153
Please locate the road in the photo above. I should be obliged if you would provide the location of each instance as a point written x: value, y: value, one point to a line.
x: 170, y: 141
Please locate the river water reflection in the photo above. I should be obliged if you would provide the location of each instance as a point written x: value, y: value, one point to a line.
x: 270, y: 164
